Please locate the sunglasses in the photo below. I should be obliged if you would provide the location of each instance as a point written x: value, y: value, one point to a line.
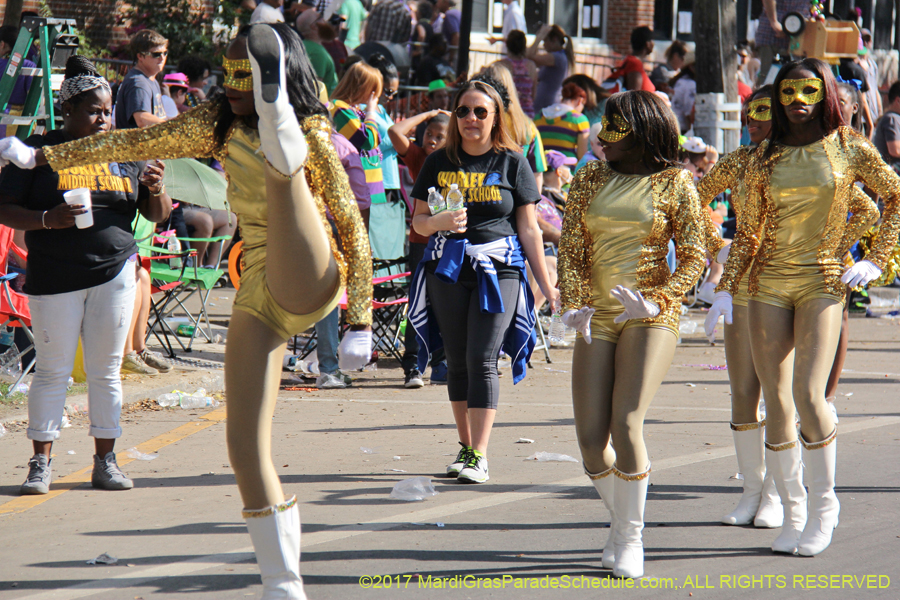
x: 481, y: 113
x: 162, y: 54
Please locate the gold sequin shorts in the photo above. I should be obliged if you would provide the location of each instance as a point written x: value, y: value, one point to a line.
x: 792, y: 291
x: 254, y: 298
x: 603, y: 328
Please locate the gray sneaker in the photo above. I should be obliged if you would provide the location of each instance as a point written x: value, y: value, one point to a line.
x: 38, y: 480
x: 133, y: 363
x: 154, y: 360
x: 107, y: 475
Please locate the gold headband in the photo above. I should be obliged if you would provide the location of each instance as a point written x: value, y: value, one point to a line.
x: 618, y: 129
x: 242, y: 82
x: 795, y: 90
x: 760, y: 109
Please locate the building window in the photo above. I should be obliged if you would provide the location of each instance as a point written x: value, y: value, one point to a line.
x: 673, y: 19
x: 580, y: 18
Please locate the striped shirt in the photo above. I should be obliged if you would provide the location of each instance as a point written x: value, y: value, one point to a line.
x: 562, y: 132
x: 363, y: 134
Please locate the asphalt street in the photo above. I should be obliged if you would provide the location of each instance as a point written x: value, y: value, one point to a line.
x: 534, y: 531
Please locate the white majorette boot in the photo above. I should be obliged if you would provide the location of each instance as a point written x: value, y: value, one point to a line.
x: 748, y: 445
x: 820, y: 459
x: 281, y: 139
x: 784, y: 460
x: 770, y: 513
x: 605, y: 484
x: 630, y: 498
x: 275, y: 532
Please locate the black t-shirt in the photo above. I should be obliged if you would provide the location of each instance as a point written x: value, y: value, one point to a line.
x: 66, y: 260
x: 494, y: 184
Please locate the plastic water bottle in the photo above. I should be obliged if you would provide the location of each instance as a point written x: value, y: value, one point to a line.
x: 455, y: 198
x: 557, y: 332
x: 174, y: 247
x: 436, y: 202
x: 198, y: 399
x: 10, y: 363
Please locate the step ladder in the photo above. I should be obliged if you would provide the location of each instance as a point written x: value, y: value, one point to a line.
x: 57, y: 41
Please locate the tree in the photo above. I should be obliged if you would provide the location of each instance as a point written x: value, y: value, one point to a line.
x: 189, y: 28
x: 13, y: 13
x: 715, y: 29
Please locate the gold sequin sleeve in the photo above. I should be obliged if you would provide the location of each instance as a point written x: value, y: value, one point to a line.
x: 868, y: 167
x: 575, y: 241
x: 725, y: 175
x: 751, y: 222
x: 677, y: 213
x: 328, y: 181
x: 189, y: 135
x: 864, y: 214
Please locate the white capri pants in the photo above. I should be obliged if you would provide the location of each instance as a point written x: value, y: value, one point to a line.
x: 101, y: 315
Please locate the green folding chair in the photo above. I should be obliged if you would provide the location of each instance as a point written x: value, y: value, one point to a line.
x: 193, y: 280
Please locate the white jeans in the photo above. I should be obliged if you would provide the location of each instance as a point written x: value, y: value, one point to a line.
x: 101, y: 315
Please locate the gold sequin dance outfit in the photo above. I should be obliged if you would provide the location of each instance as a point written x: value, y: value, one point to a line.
x: 191, y: 135
x: 616, y: 232
x: 730, y: 172
x: 795, y: 218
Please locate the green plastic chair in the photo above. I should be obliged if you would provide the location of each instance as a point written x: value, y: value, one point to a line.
x: 182, y: 283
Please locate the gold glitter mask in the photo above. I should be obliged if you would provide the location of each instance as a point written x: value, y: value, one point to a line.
x: 614, y: 131
x: 805, y: 91
x: 238, y: 74
x: 760, y: 109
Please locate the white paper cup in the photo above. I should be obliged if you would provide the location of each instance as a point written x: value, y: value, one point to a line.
x: 81, y: 196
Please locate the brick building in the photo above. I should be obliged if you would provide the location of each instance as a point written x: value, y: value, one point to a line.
x: 97, y: 18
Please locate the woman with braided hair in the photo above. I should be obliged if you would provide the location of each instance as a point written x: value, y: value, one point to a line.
x: 273, y: 138
x: 80, y: 282
x: 618, y: 293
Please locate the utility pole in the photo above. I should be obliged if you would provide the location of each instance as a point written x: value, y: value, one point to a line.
x: 465, y: 29
x: 13, y: 13
x: 715, y: 29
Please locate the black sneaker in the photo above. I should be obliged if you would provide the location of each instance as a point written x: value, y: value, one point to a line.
x: 414, y: 380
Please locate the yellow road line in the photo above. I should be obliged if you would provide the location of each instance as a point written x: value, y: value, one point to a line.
x: 73, y: 480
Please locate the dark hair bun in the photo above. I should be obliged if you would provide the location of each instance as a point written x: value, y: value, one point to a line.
x: 79, y: 65
x: 385, y: 65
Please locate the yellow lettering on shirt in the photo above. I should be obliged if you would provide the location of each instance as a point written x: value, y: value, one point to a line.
x: 97, y: 178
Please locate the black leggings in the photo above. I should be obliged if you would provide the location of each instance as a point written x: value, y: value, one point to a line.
x: 472, y: 339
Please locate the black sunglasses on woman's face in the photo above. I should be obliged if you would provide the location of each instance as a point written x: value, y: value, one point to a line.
x: 481, y: 113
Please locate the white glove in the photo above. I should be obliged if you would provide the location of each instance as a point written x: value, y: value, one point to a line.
x: 580, y: 320
x: 721, y: 306
x: 635, y: 305
x: 355, y: 350
x: 722, y: 256
x: 13, y: 150
x: 861, y: 273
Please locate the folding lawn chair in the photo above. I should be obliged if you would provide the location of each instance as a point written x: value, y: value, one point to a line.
x: 163, y: 279
x: 14, y: 311
x: 390, y: 299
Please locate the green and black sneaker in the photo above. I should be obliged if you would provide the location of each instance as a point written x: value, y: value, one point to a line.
x: 460, y: 461
x: 476, y: 469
